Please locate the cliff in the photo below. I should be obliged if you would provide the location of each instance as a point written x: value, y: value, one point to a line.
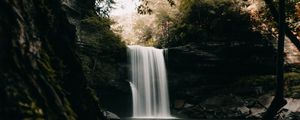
x: 40, y: 72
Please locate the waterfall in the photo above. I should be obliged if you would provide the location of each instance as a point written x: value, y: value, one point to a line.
x: 148, y: 82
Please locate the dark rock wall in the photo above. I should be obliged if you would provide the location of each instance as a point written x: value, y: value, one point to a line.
x: 40, y: 73
x: 199, y: 71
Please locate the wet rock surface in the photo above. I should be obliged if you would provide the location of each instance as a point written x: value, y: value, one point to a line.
x: 111, y: 116
x: 234, y: 107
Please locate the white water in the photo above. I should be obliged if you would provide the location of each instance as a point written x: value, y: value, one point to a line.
x: 148, y: 82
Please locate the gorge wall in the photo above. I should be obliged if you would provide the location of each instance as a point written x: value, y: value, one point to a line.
x: 41, y: 74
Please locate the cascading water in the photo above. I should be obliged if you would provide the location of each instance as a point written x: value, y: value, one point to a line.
x: 148, y: 82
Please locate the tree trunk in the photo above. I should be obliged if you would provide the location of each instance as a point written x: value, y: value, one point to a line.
x: 278, y: 101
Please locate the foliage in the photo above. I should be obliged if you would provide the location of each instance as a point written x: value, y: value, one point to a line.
x: 102, y: 51
x: 263, y: 21
x: 149, y: 28
x: 268, y: 83
x: 208, y: 21
x: 103, y: 7
x: 145, y: 8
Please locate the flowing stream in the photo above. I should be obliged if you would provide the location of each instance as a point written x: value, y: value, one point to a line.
x: 148, y: 82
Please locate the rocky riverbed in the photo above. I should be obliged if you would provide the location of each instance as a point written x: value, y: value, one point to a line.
x: 235, y: 107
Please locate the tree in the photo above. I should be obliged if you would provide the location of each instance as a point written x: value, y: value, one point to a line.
x: 287, y: 29
x: 103, y: 7
x: 144, y: 8
x: 278, y: 101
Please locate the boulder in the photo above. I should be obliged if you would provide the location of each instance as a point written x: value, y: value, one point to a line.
x: 111, y: 116
x: 244, y: 110
x: 188, y: 105
x: 179, y: 104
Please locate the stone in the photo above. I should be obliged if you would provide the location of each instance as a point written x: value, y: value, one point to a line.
x: 244, y: 110
x: 111, y: 116
x: 293, y: 105
x: 179, y: 104
x: 187, y: 105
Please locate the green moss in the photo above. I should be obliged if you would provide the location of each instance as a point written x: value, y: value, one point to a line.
x: 45, y: 66
x: 31, y: 110
x: 292, y: 84
x: 102, y: 51
x: 95, y: 23
x: 257, y: 80
x: 292, y: 77
x: 71, y: 114
x: 292, y: 81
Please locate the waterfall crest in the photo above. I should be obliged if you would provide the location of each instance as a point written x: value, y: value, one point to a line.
x: 148, y: 82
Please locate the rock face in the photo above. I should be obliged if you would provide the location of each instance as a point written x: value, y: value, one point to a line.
x: 41, y: 76
x: 235, y: 107
x: 111, y: 116
x: 199, y: 70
